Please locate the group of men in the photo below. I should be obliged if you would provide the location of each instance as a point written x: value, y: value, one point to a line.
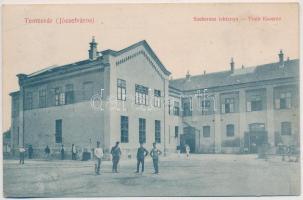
x: 47, y: 152
x: 116, y: 154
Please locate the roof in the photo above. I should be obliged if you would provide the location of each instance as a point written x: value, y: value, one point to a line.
x: 86, y: 63
x: 147, y: 47
x: 244, y: 75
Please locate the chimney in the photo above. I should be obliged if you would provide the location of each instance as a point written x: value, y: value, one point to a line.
x: 187, y: 75
x: 21, y: 78
x: 232, y: 65
x: 92, y: 52
x: 281, y: 58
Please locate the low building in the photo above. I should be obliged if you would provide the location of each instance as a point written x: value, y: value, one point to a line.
x: 127, y: 96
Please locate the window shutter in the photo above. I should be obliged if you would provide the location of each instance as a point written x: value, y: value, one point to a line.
x: 277, y: 102
x: 248, y: 106
x: 223, y: 108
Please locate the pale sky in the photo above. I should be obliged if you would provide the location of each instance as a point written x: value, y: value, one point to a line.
x: 181, y: 43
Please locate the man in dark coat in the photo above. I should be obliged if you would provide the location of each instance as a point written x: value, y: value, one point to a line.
x: 116, y: 153
x: 62, y: 152
x: 30, y: 152
x: 141, y: 154
x: 47, y: 152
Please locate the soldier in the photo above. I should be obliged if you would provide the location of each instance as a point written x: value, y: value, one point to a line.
x: 30, y: 152
x: 22, y: 152
x: 74, y: 152
x: 154, y: 153
x: 116, y: 153
x: 47, y: 152
x: 62, y: 152
x: 141, y: 154
x: 98, y: 154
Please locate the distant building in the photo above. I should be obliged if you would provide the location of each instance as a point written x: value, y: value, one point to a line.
x: 127, y: 96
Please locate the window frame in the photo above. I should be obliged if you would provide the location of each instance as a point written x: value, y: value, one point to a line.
x: 142, y: 130
x: 205, y: 135
x: 124, y: 129
x: 158, y: 131
x: 228, y: 133
x: 58, y: 129
x: 121, y: 89
x: 288, y: 128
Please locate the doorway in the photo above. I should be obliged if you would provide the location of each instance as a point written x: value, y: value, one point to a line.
x: 188, y: 137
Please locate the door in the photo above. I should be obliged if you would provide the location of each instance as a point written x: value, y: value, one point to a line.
x: 256, y: 137
x: 188, y: 138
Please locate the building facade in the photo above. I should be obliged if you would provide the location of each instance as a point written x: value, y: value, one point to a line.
x: 127, y: 96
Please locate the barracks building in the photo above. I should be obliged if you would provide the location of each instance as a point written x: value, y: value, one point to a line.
x: 128, y: 96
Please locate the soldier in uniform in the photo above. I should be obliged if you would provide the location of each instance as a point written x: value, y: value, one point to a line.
x: 116, y: 153
x: 141, y: 154
x: 62, y: 152
x: 155, y: 153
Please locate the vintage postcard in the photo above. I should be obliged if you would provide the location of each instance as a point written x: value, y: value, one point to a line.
x: 125, y: 100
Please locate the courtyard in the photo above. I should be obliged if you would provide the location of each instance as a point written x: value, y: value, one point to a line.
x: 201, y: 175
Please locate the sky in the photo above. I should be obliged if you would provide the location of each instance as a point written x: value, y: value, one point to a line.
x: 178, y: 33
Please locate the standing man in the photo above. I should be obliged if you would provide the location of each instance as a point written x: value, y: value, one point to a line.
x: 62, y: 152
x: 74, y: 151
x: 98, y: 154
x: 141, y: 154
x: 22, y: 154
x: 116, y: 153
x: 187, y: 149
x: 30, y: 152
x: 154, y: 153
x: 47, y: 152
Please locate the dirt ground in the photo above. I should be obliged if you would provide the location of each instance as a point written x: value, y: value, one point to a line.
x: 201, y: 175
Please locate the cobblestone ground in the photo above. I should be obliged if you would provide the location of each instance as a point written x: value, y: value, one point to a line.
x: 201, y: 175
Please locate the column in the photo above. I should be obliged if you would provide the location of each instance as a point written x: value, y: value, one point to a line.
x: 270, y: 115
x: 217, y: 124
x: 242, y: 116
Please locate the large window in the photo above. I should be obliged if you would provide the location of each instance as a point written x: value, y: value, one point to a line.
x: 58, y: 133
x: 121, y: 89
x: 205, y: 106
x: 187, y: 106
x: 57, y: 96
x: 230, y: 130
x: 228, y: 106
x: 283, y: 101
x: 28, y: 100
x: 176, y: 110
x: 176, y: 131
x: 142, y: 130
x: 124, y: 129
x: 157, y: 131
x: 42, y: 98
x: 255, y: 103
x: 69, y: 94
x: 206, y: 131
x: 157, y: 98
x: 88, y: 90
x: 141, y: 95
x: 285, y: 128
